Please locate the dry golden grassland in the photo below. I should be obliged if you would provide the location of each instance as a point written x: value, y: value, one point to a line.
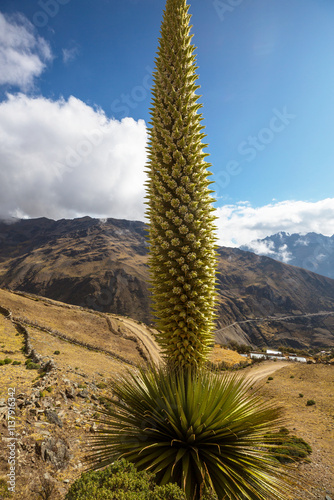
x: 221, y: 355
x: 11, y: 344
x: 122, y: 336
x: 314, y: 423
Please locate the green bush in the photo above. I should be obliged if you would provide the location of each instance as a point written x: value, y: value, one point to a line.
x: 2, y: 362
x: 49, y: 389
x: 28, y: 361
x: 8, y: 361
x: 33, y: 366
x: 16, y: 363
x: 301, y: 395
x: 270, y: 378
x: 56, y: 352
x: 286, y: 448
x: 310, y: 402
x: 121, y: 481
x: 101, y: 385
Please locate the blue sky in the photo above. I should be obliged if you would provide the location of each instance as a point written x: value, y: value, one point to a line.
x: 267, y: 82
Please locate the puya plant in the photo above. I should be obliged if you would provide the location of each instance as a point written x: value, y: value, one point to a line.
x: 183, y: 423
x: 181, y: 232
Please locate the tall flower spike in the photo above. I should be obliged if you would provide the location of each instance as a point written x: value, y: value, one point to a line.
x: 182, y: 243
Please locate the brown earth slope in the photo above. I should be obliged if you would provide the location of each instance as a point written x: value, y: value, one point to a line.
x: 103, y: 266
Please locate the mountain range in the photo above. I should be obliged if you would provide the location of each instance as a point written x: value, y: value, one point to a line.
x: 311, y: 251
x: 102, y: 265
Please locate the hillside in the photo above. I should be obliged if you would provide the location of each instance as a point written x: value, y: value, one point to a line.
x: 56, y: 411
x: 102, y: 265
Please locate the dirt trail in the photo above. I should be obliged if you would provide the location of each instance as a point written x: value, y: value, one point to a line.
x: 146, y: 338
x: 264, y: 369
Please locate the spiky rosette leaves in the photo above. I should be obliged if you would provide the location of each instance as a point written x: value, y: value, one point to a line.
x: 199, y: 430
x: 182, y: 243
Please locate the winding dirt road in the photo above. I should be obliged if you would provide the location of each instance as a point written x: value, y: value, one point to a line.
x: 264, y: 369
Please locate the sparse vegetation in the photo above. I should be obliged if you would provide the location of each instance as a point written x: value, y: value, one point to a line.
x: 46, y: 489
x: 56, y: 352
x: 240, y: 348
x: 4, y: 493
x: 310, y: 402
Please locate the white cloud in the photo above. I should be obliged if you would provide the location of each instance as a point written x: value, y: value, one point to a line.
x: 261, y: 247
x: 70, y: 54
x: 66, y: 159
x: 241, y: 224
x: 23, y: 54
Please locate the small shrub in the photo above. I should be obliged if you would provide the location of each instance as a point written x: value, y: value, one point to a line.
x: 301, y: 395
x: 121, y: 481
x: 270, y: 378
x: 46, y: 490
x: 49, y: 389
x: 2, y: 362
x: 101, y: 385
x: 286, y: 448
x: 4, y: 493
x: 8, y: 361
x: 310, y: 402
x: 16, y: 363
x: 56, y: 352
x: 28, y: 361
x: 33, y: 366
x: 292, y: 376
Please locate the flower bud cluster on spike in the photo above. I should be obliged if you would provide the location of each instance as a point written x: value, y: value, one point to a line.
x: 182, y: 242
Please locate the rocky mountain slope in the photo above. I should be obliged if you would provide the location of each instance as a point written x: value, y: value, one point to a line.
x: 103, y: 265
x: 311, y: 251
